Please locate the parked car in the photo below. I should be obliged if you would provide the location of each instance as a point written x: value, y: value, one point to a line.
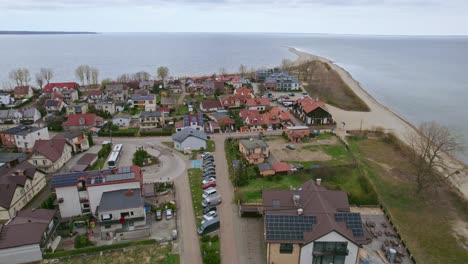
x: 209, y: 192
x: 209, y: 166
x: 209, y: 185
x: 291, y: 94
x: 209, y: 175
x: 292, y: 147
x: 211, y: 214
x: 169, y: 214
x: 211, y: 179
x: 158, y: 215
x: 208, y: 162
x: 213, y: 171
x: 304, y: 93
x: 209, y: 209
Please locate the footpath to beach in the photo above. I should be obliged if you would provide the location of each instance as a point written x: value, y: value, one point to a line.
x: 379, y: 116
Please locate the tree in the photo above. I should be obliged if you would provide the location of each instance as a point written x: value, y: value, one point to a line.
x: 163, y: 72
x: 47, y: 74
x: 123, y: 78
x: 80, y: 74
x: 428, y: 148
x: 39, y: 80
x: 90, y: 139
x: 94, y: 72
x: 20, y: 76
x: 286, y: 64
x: 142, y: 76
x: 222, y: 71
x: 242, y: 70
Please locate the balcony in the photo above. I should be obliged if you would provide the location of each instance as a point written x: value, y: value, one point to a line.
x: 328, y: 252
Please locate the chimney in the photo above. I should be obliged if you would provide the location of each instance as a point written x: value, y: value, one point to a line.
x: 129, y: 192
x: 296, y: 199
x: 319, y: 182
x: 300, y: 211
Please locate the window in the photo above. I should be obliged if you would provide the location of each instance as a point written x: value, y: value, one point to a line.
x: 330, y: 252
x: 107, y: 226
x: 286, y: 248
x: 35, y: 162
x: 131, y: 213
x: 43, y: 162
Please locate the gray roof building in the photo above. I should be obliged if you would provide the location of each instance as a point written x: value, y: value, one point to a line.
x: 143, y: 97
x: 150, y: 114
x: 21, y: 130
x: 189, y: 132
x: 264, y: 167
x: 253, y: 143
x: 121, y: 199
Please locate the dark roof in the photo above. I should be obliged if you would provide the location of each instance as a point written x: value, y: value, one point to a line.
x: 87, y: 159
x: 209, y: 104
x: 121, y: 199
x: 220, y: 114
x: 51, y: 102
x: 21, y: 130
x: 98, y: 177
x: 193, y: 118
x: 26, y: 228
x: 320, y: 207
x: 168, y: 100
x: 10, y: 178
x: 253, y: 143
x: 22, y: 90
x: 143, y: 97
x: 265, y: 167
x: 189, y: 132
x: 50, y: 148
x: 72, y: 134
x: 150, y: 114
x: 6, y: 157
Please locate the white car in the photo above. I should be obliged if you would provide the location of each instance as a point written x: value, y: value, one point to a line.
x: 211, y: 179
x: 210, y: 214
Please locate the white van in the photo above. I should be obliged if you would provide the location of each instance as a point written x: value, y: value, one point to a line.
x: 208, y: 192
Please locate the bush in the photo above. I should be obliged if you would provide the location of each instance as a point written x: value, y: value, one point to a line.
x: 140, y: 157
x: 215, y: 238
x: 49, y: 202
x: 8, y: 122
x: 105, y: 151
x: 83, y: 241
x: 55, y: 126
x: 156, y: 133
x: 205, y: 238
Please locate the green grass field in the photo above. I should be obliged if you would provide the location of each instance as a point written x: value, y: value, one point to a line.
x: 195, y: 179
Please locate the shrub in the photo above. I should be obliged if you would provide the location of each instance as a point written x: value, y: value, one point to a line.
x: 140, y: 156
x: 205, y: 238
x: 215, y: 238
x: 83, y: 241
x: 105, y: 150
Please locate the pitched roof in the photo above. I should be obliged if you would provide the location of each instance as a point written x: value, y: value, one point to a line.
x: 168, y: 100
x: 10, y: 178
x: 163, y: 109
x: 87, y: 158
x: 210, y: 104
x: 52, y: 103
x: 50, y: 86
x: 193, y: 118
x: 21, y: 130
x: 22, y: 90
x: 264, y: 167
x: 281, y: 167
x: 136, y: 97
x: 151, y: 114
x: 88, y: 119
x: 309, y: 105
x: 121, y: 199
x: 244, y: 91
x: 72, y: 134
x: 253, y: 143
x: 94, y: 92
x: 258, y: 102
x: 123, y: 116
x: 50, y: 148
x: 320, y: 208
x: 189, y: 132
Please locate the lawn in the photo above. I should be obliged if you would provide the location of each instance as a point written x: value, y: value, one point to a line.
x: 99, y: 164
x: 210, y: 146
x: 195, y: 179
x: 181, y: 110
x: 144, y: 254
x: 338, y: 152
x: 425, y: 220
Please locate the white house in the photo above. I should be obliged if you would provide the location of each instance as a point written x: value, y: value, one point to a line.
x: 108, y: 107
x: 80, y: 193
x: 189, y: 138
x: 6, y: 99
x: 24, y: 136
x: 122, y: 120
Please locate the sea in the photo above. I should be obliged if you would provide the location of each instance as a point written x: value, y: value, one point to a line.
x: 422, y: 78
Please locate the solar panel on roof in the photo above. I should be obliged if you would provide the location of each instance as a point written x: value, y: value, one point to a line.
x: 352, y: 220
x: 288, y: 227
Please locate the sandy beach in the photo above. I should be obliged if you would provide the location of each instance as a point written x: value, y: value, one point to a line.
x: 379, y: 117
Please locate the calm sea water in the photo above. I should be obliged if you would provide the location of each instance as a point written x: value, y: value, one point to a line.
x: 420, y: 78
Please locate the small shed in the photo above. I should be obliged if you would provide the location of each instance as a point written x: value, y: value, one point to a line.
x: 85, y: 162
x: 266, y: 169
x: 281, y: 167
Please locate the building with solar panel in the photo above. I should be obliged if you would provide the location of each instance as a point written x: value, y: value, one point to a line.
x: 80, y: 193
x: 311, y: 225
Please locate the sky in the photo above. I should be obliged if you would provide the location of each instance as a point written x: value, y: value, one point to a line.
x: 372, y: 17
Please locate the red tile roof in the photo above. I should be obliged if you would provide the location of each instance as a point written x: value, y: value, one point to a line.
x: 22, y: 90
x: 309, y: 105
x: 50, y: 86
x: 163, y: 109
x: 210, y: 104
x: 50, y: 148
x: 87, y: 120
x: 230, y: 100
x: 258, y: 102
x: 244, y: 91
x: 94, y: 92
x: 272, y: 117
x: 281, y: 167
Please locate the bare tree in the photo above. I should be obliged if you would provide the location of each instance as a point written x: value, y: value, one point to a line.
x: 428, y: 148
x: 94, y: 72
x: 163, y: 72
x: 87, y: 73
x: 123, y: 78
x: 39, y: 80
x: 242, y: 70
x: 80, y: 74
x: 20, y: 76
x: 286, y: 64
x: 47, y: 74
x: 141, y: 76
x: 222, y: 71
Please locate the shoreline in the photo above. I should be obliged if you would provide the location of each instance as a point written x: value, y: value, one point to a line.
x: 379, y: 116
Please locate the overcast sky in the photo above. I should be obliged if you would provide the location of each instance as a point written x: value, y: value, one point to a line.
x: 388, y: 17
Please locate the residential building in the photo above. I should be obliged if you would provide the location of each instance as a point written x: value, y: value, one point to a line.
x: 234, y: 101
x: 282, y: 82
x: 164, y: 110
x: 297, y: 133
x: 210, y: 87
x: 23, y: 92
x: 168, y: 101
x: 82, y: 121
x: 96, y: 95
x: 174, y: 88
x: 19, y: 185
x: 255, y: 121
x: 53, y: 106
x: 80, y: 193
x: 194, y: 121
x: 121, y: 210
x: 245, y: 92
x: 59, y: 87
x: 51, y: 154
x: 77, y: 140
x: 212, y: 127
x: 6, y: 99
x: 281, y: 167
x: 23, y: 239
x: 11, y: 159
x: 144, y: 102
x: 255, y: 151
x: 20, y: 115
x: 106, y: 106
x: 311, y: 224
x: 260, y: 104
x: 266, y: 169
x: 151, y: 119
x: 85, y: 162
x: 210, y: 105
x: 80, y: 108
x: 122, y: 120
x: 146, y: 85
x: 23, y: 137
x: 117, y: 92
x: 67, y: 95
x: 261, y: 75
x: 312, y: 112
x: 190, y: 138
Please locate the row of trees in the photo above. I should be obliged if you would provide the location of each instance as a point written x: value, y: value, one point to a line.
x: 21, y: 76
x: 87, y: 75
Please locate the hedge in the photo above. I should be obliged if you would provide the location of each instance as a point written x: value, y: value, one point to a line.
x: 120, y: 133
x: 29, y: 100
x: 156, y: 133
x: 89, y: 250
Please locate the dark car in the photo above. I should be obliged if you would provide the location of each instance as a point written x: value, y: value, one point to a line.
x: 158, y: 215
x: 209, y: 209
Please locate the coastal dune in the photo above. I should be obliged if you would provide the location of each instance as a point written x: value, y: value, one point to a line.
x: 379, y: 117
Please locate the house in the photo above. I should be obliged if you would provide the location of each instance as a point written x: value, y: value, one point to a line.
x: 19, y: 185
x: 212, y: 127
x: 50, y: 155
x: 210, y: 87
x: 255, y: 151
x: 23, y: 239
x: 83, y: 121
x: 282, y: 82
x: 85, y: 162
x: 260, y: 104
x: 122, y: 120
x: 281, y: 167
x: 261, y: 75
x: 189, y: 138
x: 119, y: 107
x: 164, y: 110
x: 69, y: 96
x: 106, y: 106
x: 23, y: 137
x: 59, y: 87
x: 266, y: 169
x: 77, y: 140
x: 23, y: 92
x: 234, y: 101
x: 297, y: 133
x: 144, y: 102
x: 312, y: 112
x: 168, y: 101
x: 54, y: 106
x: 226, y: 124
x: 194, y: 121
x: 311, y: 224
x: 11, y: 159
x: 210, y: 105
x: 275, y: 118
x: 95, y: 95
x: 19, y: 116
x: 80, y: 193
x: 117, y: 92
x: 245, y: 92
x: 126, y: 214
x: 174, y: 88
x: 151, y: 119
x: 80, y: 108
x: 6, y: 99
x: 146, y: 85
